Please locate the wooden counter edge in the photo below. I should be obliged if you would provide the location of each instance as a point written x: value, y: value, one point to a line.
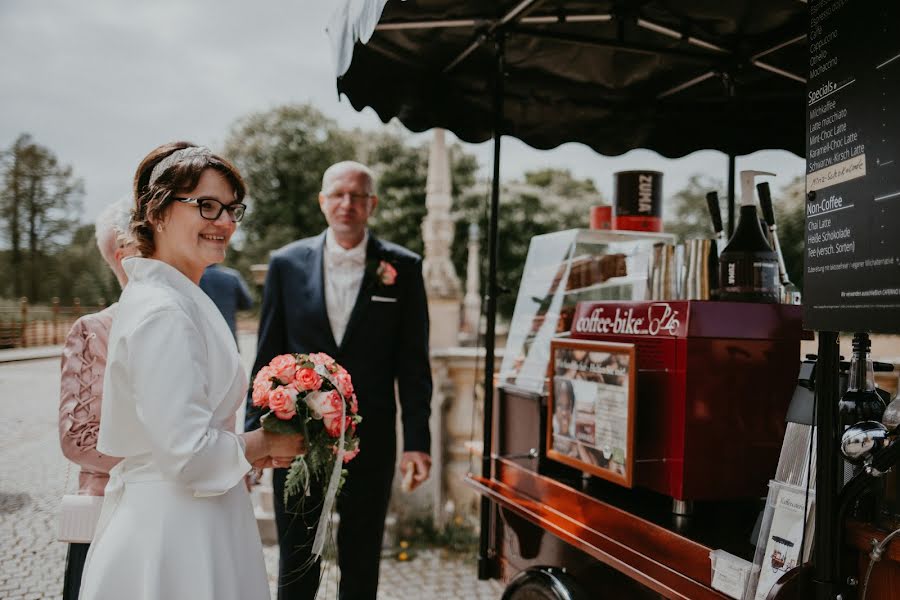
x: 661, y: 578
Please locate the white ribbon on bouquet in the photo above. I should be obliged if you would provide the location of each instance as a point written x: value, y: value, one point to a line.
x: 335, y: 478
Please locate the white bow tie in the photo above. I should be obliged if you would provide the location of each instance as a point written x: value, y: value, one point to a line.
x: 347, y: 259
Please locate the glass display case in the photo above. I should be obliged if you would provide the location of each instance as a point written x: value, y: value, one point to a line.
x: 562, y: 269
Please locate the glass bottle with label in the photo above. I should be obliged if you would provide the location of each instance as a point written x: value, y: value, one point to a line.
x: 860, y: 402
x: 748, y: 267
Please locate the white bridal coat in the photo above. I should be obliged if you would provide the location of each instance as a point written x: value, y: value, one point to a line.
x: 177, y: 520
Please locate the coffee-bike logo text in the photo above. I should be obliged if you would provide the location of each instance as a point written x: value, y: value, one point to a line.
x: 658, y: 319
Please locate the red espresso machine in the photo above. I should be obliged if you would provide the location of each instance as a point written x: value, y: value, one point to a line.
x: 713, y: 384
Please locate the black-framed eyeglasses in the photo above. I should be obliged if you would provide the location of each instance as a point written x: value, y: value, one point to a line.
x: 211, y: 209
x: 354, y: 198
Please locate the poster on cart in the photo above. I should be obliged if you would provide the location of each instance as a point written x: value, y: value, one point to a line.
x: 591, y: 408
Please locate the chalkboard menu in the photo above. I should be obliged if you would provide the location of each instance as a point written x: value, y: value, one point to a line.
x: 852, y: 262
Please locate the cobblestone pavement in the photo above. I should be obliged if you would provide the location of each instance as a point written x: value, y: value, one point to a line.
x: 429, y: 576
x: 32, y: 478
x: 33, y: 475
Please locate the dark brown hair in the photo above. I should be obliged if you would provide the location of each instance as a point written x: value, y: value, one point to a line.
x: 152, y: 201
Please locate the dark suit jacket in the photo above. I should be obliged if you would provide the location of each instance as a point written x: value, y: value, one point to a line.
x: 384, y: 341
x: 228, y: 291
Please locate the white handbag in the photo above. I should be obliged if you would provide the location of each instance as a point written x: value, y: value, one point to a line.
x: 78, y: 516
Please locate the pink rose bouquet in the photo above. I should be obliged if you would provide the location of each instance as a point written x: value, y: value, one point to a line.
x: 313, y: 395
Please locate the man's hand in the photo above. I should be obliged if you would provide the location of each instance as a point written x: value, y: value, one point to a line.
x: 420, y: 463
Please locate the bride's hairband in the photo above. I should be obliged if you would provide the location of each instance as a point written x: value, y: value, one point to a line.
x: 175, y: 158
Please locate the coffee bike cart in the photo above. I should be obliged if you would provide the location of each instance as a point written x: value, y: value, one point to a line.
x: 670, y: 507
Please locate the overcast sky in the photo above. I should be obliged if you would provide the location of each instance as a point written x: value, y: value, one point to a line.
x: 102, y: 82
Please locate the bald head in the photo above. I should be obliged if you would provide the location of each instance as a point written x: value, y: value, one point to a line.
x: 348, y: 200
x: 347, y: 167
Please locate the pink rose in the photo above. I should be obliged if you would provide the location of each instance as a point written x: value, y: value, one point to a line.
x: 348, y: 454
x: 334, y: 404
x: 354, y: 405
x: 343, y: 383
x: 307, y: 379
x: 332, y: 423
x: 320, y: 359
x: 262, y: 384
x: 283, y: 402
x: 387, y: 273
x: 324, y: 404
x: 284, y: 367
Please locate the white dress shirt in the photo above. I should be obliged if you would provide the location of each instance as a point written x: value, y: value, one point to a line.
x: 344, y: 270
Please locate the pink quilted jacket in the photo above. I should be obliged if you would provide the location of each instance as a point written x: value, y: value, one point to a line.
x: 81, y: 391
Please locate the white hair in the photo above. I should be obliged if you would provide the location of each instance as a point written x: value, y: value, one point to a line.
x: 348, y: 165
x: 112, y: 228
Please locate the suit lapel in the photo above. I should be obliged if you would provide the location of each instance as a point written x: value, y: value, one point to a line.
x: 317, y: 289
x: 373, y: 256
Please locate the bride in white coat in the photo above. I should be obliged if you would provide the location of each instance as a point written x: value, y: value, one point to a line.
x: 177, y: 520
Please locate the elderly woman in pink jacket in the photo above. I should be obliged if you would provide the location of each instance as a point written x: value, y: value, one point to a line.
x: 83, y: 365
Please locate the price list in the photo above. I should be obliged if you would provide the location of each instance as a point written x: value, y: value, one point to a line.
x: 852, y: 260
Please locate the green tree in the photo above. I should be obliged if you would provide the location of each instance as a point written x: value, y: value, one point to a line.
x: 282, y: 154
x: 40, y: 201
x: 687, y: 214
x: 402, y: 171
x: 546, y: 201
x: 561, y: 182
x: 790, y: 215
x: 80, y: 272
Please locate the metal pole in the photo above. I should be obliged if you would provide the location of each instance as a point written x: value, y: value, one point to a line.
x: 827, y: 392
x: 731, y: 202
x: 485, y: 552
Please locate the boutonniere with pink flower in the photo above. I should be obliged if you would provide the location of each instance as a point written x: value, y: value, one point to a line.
x: 386, y: 273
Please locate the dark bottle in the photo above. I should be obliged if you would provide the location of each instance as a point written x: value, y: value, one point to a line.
x: 860, y: 402
x: 748, y: 267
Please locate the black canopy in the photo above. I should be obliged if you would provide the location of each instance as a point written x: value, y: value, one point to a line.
x: 672, y: 76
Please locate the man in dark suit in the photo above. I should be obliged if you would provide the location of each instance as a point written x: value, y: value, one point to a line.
x: 228, y: 292
x: 361, y: 300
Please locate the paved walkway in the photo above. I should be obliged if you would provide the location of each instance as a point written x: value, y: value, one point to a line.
x: 33, y: 477
x: 37, y: 353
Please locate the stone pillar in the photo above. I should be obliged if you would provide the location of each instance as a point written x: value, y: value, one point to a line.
x: 472, y: 299
x: 441, y: 282
x: 444, y: 299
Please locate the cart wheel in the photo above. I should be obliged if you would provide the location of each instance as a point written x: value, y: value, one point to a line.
x: 543, y: 583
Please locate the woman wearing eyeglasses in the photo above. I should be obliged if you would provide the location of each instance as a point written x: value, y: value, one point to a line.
x: 177, y: 520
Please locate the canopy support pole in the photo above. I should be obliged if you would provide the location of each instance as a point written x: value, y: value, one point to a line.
x: 826, y: 554
x: 731, y: 202
x: 485, y: 552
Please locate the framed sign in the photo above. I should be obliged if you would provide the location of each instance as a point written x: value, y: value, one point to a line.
x: 590, y: 425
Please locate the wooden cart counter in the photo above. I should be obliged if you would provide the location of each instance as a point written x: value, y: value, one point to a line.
x: 635, y: 543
